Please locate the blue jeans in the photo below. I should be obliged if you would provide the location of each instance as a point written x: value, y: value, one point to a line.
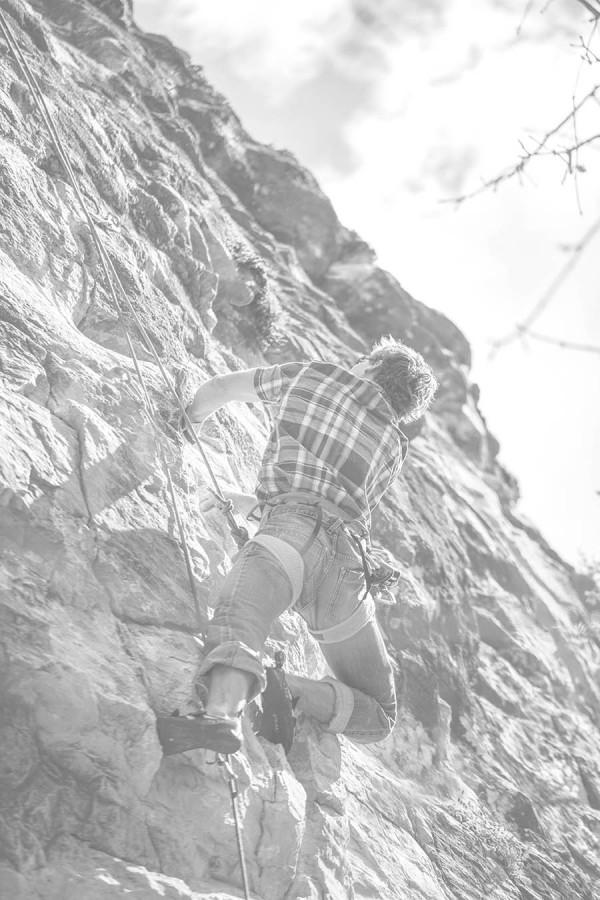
x: 257, y: 590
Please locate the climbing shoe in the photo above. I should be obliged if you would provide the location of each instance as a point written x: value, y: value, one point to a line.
x: 180, y: 733
x: 275, y: 721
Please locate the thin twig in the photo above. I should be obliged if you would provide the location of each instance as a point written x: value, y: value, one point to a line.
x: 588, y: 54
x: 565, y: 345
x: 574, y: 169
x: 573, y: 148
x: 526, y: 12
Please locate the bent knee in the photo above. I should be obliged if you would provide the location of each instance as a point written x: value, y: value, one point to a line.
x: 377, y: 728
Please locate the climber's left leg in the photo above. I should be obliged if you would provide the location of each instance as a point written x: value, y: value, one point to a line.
x: 365, y: 709
x: 255, y: 592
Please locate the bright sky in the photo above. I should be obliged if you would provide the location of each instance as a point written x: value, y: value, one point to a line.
x: 396, y: 106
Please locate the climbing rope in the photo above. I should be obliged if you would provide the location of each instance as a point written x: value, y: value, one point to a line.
x: 151, y: 411
x: 231, y: 778
x: 42, y: 107
x: 239, y: 533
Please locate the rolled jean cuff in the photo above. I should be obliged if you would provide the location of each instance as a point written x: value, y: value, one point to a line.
x: 344, y: 705
x: 237, y: 655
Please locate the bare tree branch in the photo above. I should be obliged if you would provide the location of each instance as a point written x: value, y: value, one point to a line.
x: 528, y: 155
x: 522, y: 328
x: 594, y: 11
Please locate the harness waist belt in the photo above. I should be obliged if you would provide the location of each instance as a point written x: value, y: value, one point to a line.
x: 306, y: 499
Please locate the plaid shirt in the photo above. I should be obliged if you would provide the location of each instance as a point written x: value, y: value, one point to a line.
x: 334, y: 436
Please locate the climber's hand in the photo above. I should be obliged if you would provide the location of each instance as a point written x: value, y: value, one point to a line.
x: 242, y: 503
x: 206, y: 432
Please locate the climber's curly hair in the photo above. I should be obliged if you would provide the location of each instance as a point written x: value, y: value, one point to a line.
x: 404, y: 377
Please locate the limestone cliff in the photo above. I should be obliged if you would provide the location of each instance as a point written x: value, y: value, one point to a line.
x: 232, y: 256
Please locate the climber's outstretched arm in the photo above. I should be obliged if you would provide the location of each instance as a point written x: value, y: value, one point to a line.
x: 222, y: 389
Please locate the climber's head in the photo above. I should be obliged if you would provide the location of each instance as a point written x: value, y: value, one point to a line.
x: 402, y: 374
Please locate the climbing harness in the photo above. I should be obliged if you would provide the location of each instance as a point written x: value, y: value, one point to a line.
x: 379, y: 574
x: 239, y: 533
x: 291, y: 562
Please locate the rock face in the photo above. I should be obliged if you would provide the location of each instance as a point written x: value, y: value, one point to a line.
x: 232, y: 256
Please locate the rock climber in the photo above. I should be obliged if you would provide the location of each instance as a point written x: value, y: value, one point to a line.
x: 335, y: 447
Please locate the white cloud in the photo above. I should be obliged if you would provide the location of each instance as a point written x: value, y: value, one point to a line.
x: 275, y: 44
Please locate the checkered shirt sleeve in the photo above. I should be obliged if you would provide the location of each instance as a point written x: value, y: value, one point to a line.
x: 272, y: 382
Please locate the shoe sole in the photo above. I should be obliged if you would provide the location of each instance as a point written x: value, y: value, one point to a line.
x: 178, y: 734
